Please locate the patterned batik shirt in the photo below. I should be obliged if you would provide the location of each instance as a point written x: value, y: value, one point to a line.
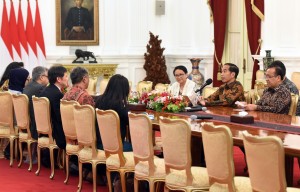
x: 226, y: 95
x: 277, y: 100
x: 80, y: 95
x: 293, y: 89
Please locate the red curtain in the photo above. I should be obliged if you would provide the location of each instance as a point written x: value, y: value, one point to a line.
x: 254, y: 31
x: 219, y: 12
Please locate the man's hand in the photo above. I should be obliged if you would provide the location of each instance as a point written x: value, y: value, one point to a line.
x: 201, y: 100
x: 251, y: 107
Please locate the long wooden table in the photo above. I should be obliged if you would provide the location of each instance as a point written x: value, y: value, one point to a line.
x: 286, y: 127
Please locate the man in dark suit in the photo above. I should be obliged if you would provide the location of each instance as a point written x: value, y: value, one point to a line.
x: 35, y: 87
x: 58, y: 79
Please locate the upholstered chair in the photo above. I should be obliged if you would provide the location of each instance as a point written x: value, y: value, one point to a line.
x: 161, y: 87
x: 259, y: 88
x: 296, y: 79
x: 67, y: 119
x: 265, y: 159
x: 7, y: 129
x: 103, y: 85
x: 176, y: 140
x: 147, y: 166
x: 218, y: 149
x: 116, y: 159
x: 41, y: 106
x: 294, y: 103
x: 207, y: 91
x: 21, y: 108
x: 84, y: 119
x: 144, y: 86
x: 92, y: 85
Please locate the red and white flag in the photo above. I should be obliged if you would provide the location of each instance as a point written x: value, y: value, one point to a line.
x: 41, y: 53
x: 5, y: 41
x: 22, y: 37
x: 14, y: 33
x: 32, y: 53
x: 5, y: 34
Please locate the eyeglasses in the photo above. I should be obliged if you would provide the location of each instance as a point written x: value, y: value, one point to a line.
x: 269, y: 76
x: 179, y: 75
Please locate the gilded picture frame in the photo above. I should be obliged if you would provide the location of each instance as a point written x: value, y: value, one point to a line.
x: 77, y: 27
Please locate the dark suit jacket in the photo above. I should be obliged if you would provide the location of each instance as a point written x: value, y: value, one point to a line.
x: 54, y: 95
x: 33, y: 88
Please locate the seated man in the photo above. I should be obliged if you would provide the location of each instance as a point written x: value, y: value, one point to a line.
x: 58, y: 79
x: 228, y: 93
x: 80, y: 80
x: 35, y: 87
x: 276, y: 98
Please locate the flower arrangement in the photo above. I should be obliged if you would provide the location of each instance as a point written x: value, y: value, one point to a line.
x: 163, y: 102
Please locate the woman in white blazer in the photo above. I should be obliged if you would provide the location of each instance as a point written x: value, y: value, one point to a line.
x: 183, y: 86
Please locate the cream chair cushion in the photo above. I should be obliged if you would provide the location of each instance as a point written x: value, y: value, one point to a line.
x: 142, y: 168
x: 242, y: 184
x: 85, y: 154
x: 178, y: 178
x: 113, y: 161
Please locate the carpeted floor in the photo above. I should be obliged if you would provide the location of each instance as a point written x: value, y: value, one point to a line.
x: 19, y: 179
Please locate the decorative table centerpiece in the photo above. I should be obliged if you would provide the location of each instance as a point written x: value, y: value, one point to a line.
x: 160, y: 101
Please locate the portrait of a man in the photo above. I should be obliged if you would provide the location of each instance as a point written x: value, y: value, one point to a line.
x: 77, y: 22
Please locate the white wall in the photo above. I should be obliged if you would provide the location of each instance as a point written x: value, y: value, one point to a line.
x: 185, y: 30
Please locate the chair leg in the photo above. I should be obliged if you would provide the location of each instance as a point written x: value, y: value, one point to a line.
x: 136, y: 185
x: 67, y: 169
x: 151, y: 185
x: 60, y: 158
x: 52, y: 162
x: 11, y: 140
x: 80, y: 176
x: 109, y: 180
x: 123, y: 180
x: 21, y: 154
x: 39, y: 160
x: 30, y: 155
x: 94, y: 171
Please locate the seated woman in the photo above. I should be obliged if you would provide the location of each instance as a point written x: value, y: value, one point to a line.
x: 5, y: 76
x: 18, y: 79
x: 115, y: 98
x: 182, y: 86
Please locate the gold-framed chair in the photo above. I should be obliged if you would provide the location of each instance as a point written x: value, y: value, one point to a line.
x: 259, y: 88
x: 207, y: 91
x: 92, y: 85
x: 294, y: 103
x: 250, y: 96
x: 7, y: 129
x: 267, y: 154
x: 67, y: 119
x: 116, y: 159
x: 21, y: 108
x: 41, y: 106
x: 218, y: 150
x: 144, y: 86
x: 296, y: 79
x: 103, y: 85
x: 162, y: 87
x: 180, y: 174
x: 84, y: 119
x: 147, y: 166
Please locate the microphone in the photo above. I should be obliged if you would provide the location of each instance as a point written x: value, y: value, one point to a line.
x: 197, y: 108
x: 207, y: 82
x: 194, y: 117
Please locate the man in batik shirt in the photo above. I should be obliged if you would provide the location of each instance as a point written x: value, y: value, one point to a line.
x: 276, y: 98
x: 228, y: 93
x: 289, y: 84
x: 80, y: 80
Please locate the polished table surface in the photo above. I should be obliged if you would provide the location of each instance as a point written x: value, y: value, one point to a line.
x: 286, y: 127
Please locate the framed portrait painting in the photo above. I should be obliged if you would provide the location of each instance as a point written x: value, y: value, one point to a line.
x: 77, y: 22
